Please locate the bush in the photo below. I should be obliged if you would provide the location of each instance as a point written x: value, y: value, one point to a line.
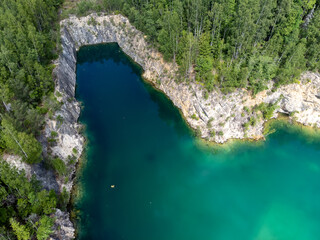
x: 246, y: 126
x: 84, y: 6
x: 59, y: 120
x: 212, y: 133
x: 59, y: 166
x: 209, y: 123
x: 71, y: 160
x: 194, y: 116
x: 206, y: 95
x: 253, y: 121
x: 75, y: 151
x: 221, y: 124
x: 267, y: 109
x: 54, y: 134
x: 42, y: 110
x: 64, y: 199
x: 198, y: 132
x: 245, y: 108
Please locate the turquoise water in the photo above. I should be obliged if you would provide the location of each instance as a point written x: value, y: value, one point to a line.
x: 167, y: 187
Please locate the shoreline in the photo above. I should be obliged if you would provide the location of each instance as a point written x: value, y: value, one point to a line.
x: 287, y: 123
x: 225, y: 113
x: 230, y: 145
x: 188, y: 99
x: 77, y: 191
x: 222, y: 111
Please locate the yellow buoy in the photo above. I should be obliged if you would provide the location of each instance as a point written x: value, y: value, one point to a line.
x: 112, y: 186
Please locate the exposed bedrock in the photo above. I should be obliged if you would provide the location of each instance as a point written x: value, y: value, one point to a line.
x: 227, y: 115
x: 224, y: 111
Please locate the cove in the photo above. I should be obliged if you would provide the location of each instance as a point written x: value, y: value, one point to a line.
x: 167, y: 187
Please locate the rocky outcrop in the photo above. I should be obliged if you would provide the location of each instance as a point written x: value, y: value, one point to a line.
x: 45, y: 176
x: 69, y: 142
x: 218, y: 118
x: 63, y: 227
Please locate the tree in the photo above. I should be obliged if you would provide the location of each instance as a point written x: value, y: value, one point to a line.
x: 59, y: 166
x: 45, y: 228
x: 237, y: 32
x: 169, y: 35
x: 23, y: 207
x: 21, y: 143
x: 29, y: 216
x: 204, y: 62
x: 261, y: 70
x: 312, y: 34
x: 21, y: 231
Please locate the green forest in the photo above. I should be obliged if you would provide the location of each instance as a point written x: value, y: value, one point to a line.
x: 28, y: 39
x: 228, y: 44
x: 223, y: 44
x: 28, y: 43
x: 24, y: 208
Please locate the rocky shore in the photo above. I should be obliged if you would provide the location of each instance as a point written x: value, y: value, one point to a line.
x: 218, y: 117
x: 226, y: 114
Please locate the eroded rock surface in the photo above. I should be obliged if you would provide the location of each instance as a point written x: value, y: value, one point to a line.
x: 63, y: 227
x: 219, y: 113
x: 223, y: 114
x: 45, y: 176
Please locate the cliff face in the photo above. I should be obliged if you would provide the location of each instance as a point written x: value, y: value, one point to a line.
x: 219, y: 112
x: 222, y: 113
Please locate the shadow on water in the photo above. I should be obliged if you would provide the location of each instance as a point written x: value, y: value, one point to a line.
x: 104, y: 52
x: 169, y: 113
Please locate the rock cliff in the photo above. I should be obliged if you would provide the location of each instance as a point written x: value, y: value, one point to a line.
x: 219, y: 117
x: 224, y: 114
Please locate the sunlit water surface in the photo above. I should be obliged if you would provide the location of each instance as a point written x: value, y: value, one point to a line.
x: 167, y: 187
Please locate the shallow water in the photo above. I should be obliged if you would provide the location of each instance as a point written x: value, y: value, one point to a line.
x: 167, y: 187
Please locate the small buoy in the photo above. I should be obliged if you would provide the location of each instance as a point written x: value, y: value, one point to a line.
x: 112, y: 186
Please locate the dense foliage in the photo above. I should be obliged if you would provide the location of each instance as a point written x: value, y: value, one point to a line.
x: 222, y: 43
x: 24, y: 208
x: 28, y: 36
x: 228, y: 43
x: 27, y: 41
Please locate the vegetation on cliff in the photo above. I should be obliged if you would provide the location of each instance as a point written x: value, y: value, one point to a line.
x: 25, y: 208
x: 28, y: 36
x: 227, y: 43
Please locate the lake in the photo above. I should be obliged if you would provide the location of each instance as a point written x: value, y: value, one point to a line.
x: 147, y: 178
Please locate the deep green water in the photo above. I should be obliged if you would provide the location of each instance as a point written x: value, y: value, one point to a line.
x: 167, y: 187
